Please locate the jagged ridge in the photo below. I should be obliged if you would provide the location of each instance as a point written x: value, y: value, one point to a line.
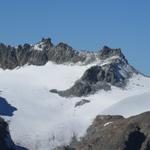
x: 41, y: 53
x: 44, y: 51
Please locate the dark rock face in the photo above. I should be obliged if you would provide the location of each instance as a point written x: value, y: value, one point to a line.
x: 116, y: 133
x: 107, y: 52
x: 7, y: 57
x: 44, y: 51
x: 91, y: 81
x: 38, y: 58
x: 39, y: 54
x: 135, y: 140
x: 63, y: 53
x: 5, y: 140
x: 25, y: 54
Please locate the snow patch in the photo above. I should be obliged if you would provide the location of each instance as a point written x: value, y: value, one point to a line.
x: 39, y: 46
x: 108, y: 123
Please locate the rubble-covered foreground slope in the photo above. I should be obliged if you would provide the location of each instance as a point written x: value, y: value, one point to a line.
x: 115, y: 133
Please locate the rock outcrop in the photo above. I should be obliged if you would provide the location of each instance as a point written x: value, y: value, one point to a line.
x: 82, y: 102
x: 45, y: 50
x: 6, y: 142
x: 116, y: 133
x: 107, y: 52
x: 113, y: 70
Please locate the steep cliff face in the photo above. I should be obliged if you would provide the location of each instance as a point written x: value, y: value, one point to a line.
x: 12, y: 57
x: 115, y: 133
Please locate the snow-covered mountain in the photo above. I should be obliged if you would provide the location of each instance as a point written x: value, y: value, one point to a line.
x: 48, y: 86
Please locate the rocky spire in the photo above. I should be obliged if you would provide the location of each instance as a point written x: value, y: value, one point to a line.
x: 44, y: 44
x: 107, y: 52
x: 47, y: 41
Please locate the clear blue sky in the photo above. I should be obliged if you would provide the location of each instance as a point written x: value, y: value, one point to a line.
x: 83, y: 24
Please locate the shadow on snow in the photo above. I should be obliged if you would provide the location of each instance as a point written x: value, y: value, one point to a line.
x: 5, y: 108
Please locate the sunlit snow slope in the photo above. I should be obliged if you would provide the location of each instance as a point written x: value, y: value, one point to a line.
x: 44, y: 120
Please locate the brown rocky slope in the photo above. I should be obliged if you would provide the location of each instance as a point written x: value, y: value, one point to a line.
x: 115, y: 133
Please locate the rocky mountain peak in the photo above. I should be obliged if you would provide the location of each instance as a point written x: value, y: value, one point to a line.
x: 47, y: 41
x: 44, y: 44
x: 2, y: 46
x: 107, y: 52
x: 64, y: 46
x: 26, y: 46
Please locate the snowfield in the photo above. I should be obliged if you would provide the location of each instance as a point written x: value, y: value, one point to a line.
x: 130, y: 106
x: 44, y: 120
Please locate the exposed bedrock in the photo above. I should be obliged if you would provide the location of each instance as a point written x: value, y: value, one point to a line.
x: 115, y: 133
